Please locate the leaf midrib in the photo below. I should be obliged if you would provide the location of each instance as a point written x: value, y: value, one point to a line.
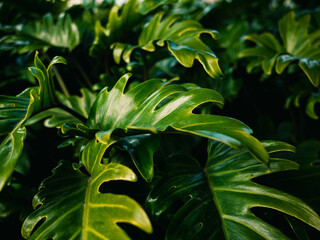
x: 216, y: 201
x: 86, y: 210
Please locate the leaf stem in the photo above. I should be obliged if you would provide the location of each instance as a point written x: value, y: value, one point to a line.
x: 61, y: 82
x: 64, y: 107
x: 59, y: 78
x: 83, y: 73
x: 71, y: 111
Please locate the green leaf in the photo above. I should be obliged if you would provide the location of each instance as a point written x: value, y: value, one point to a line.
x: 149, y: 5
x: 15, y: 111
x: 267, y: 41
x: 12, y: 111
x: 217, y: 200
x: 10, y: 150
x: 141, y: 149
x: 43, y: 34
x: 298, y: 44
x: 46, y: 94
x: 295, y: 37
x: 56, y: 116
x: 268, y: 63
x: 315, y: 98
x: 312, y: 69
x: 283, y: 61
x: 69, y: 196
x: 182, y: 39
x: 141, y: 108
x: 120, y: 24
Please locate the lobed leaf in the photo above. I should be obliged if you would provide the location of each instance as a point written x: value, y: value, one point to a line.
x: 141, y: 108
x: 69, y: 196
x: 217, y: 199
x: 298, y: 45
x: 43, y: 34
x: 182, y: 39
x: 56, y: 116
x: 15, y: 111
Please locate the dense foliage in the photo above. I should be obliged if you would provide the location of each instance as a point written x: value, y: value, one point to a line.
x: 129, y: 120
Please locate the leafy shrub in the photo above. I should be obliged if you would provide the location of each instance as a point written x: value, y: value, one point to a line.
x: 151, y: 148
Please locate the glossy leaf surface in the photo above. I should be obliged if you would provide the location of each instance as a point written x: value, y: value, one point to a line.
x: 43, y: 35
x: 10, y: 150
x: 151, y: 106
x: 15, y: 111
x: 297, y: 45
x: 120, y: 23
x: 46, y: 96
x: 57, y: 116
x: 181, y: 37
x: 141, y: 148
x: 77, y: 200
x: 217, y: 200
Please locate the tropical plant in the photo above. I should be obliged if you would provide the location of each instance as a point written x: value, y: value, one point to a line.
x: 150, y: 148
x: 298, y: 46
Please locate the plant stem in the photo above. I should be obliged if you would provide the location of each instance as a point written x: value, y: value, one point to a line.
x: 59, y: 78
x: 71, y: 111
x: 61, y: 82
x: 83, y: 73
x: 64, y: 107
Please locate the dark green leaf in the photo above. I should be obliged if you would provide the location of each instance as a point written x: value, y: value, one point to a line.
x: 141, y: 149
x: 43, y: 34
x: 298, y: 44
x: 15, y: 111
x: 218, y: 199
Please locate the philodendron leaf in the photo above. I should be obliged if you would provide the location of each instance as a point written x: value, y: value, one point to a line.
x: 10, y: 150
x: 181, y: 37
x: 72, y: 207
x: 57, y: 116
x: 46, y: 95
x: 298, y: 45
x: 15, y: 111
x: 141, y: 149
x: 43, y: 34
x: 218, y: 199
x: 150, y: 106
x: 119, y: 24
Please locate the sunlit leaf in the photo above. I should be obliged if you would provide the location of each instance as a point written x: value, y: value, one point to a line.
x: 76, y: 200
x: 182, y: 39
x: 140, y: 108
